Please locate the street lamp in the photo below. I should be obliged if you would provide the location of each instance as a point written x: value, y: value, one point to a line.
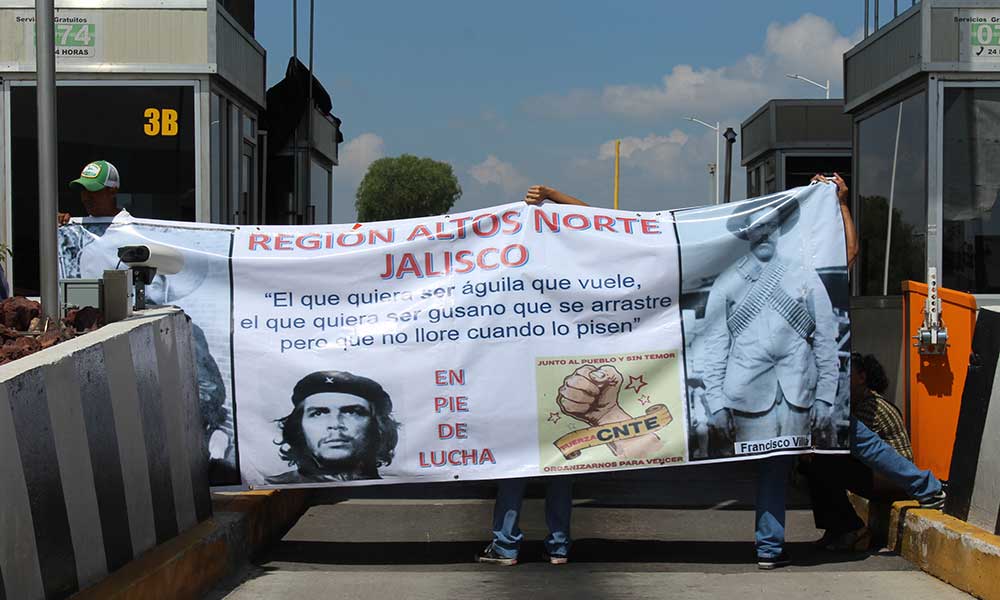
x: 807, y: 80
x: 716, y: 130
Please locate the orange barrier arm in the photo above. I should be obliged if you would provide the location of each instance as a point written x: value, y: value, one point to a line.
x: 934, y: 383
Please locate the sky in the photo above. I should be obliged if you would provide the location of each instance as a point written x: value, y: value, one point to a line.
x: 519, y: 93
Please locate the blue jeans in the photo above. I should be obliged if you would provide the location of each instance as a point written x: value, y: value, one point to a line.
x: 881, y: 458
x: 772, y: 481
x: 868, y: 448
x: 507, y: 535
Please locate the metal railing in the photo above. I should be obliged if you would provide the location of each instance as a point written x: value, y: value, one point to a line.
x: 868, y: 13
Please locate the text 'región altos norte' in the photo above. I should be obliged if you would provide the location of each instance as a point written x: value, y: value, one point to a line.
x: 453, y: 230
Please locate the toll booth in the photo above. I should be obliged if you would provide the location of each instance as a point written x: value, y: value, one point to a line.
x: 923, y: 93
x: 786, y: 142
x: 172, y: 92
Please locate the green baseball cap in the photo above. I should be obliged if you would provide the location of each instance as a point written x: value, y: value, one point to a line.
x: 96, y: 176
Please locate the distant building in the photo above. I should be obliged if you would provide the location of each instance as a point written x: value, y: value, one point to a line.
x: 786, y: 142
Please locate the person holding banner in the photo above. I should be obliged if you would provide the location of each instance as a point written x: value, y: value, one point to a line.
x: 507, y: 536
x: 773, y: 367
x: 98, y: 185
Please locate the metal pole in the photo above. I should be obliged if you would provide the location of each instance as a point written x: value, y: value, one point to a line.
x: 827, y: 89
x: 618, y: 149
x: 892, y: 194
x: 718, y: 174
x: 875, y: 28
x: 309, y: 121
x: 730, y: 136
x: 295, y: 132
x: 45, y: 73
x: 867, y: 10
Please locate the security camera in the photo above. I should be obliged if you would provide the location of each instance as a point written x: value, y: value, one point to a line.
x: 165, y: 259
x: 144, y: 261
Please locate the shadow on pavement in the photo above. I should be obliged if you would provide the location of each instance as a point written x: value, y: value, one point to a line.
x: 594, y: 551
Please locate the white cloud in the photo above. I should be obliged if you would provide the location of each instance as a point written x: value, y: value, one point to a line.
x: 810, y: 45
x: 497, y: 172
x: 662, y: 157
x: 357, y: 154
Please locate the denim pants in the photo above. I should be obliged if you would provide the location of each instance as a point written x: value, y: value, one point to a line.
x: 881, y: 458
x: 772, y: 481
x: 507, y: 535
x: 868, y: 448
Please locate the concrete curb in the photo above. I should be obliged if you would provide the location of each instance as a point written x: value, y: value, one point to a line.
x: 192, y: 563
x: 960, y: 554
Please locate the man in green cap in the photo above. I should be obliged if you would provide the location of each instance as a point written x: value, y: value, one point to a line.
x: 98, y: 184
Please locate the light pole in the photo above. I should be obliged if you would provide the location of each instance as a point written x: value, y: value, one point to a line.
x: 807, y: 80
x: 716, y: 130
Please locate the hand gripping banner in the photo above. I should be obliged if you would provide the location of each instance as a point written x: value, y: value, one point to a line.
x: 513, y: 341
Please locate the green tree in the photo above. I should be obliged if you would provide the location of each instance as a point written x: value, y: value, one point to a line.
x: 406, y: 187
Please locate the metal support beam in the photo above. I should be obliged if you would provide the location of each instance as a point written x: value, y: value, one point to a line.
x: 45, y: 72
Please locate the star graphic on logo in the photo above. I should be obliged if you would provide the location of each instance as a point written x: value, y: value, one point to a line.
x: 635, y: 383
x: 644, y: 399
x: 554, y: 417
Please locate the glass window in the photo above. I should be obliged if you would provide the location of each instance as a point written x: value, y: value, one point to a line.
x: 877, y: 148
x: 146, y: 131
x: 216, y: 135
x: 971, y: 186
x: 799, y: 170
x: 319, y: 190
x: 249, y: 128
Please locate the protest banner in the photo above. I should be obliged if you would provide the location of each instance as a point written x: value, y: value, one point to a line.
x: 518, y: 341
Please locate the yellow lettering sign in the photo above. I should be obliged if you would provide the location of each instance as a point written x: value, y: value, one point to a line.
x: 160, y: 121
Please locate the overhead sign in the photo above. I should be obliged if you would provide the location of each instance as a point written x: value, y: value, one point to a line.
x: 78, y: 33
x: 979, y: 35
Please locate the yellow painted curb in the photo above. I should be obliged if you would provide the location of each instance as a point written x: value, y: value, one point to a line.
x: 192, y: 563
x: 184, y: 567
x: 960, y: 554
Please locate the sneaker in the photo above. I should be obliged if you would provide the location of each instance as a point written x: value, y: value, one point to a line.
x: 773, y: 562
x: 557, y: 559
x: 858, y: 540
x: 491, y: 556
x: 935, y: 502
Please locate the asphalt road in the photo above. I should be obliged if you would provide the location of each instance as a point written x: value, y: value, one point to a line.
x: 631, y: 541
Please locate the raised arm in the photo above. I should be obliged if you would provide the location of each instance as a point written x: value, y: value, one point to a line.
x: 540, y: 193
x: 850, y: 232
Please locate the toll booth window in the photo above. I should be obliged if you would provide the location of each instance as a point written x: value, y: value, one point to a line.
x: 893, y: 215
x: 971, y: 188
x: 799, y: 170
x: 146, y: 131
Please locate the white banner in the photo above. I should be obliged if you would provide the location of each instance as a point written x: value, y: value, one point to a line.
x: 519, y: 341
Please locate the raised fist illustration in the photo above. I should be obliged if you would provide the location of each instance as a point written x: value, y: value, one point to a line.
x: 590, y: 394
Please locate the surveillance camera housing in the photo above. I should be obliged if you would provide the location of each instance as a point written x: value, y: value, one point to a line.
x: 164, y: 259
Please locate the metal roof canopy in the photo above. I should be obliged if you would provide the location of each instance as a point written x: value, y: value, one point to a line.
x: 795, y: 124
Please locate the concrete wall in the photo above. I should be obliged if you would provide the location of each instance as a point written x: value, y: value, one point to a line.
x: 101, y: 454
x: 974, y: 489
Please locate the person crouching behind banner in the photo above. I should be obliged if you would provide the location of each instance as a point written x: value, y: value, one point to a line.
x: 881, y: 463
x: 341, y: 429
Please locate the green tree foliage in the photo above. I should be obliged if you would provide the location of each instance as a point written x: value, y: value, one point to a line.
x: 406, y: 187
